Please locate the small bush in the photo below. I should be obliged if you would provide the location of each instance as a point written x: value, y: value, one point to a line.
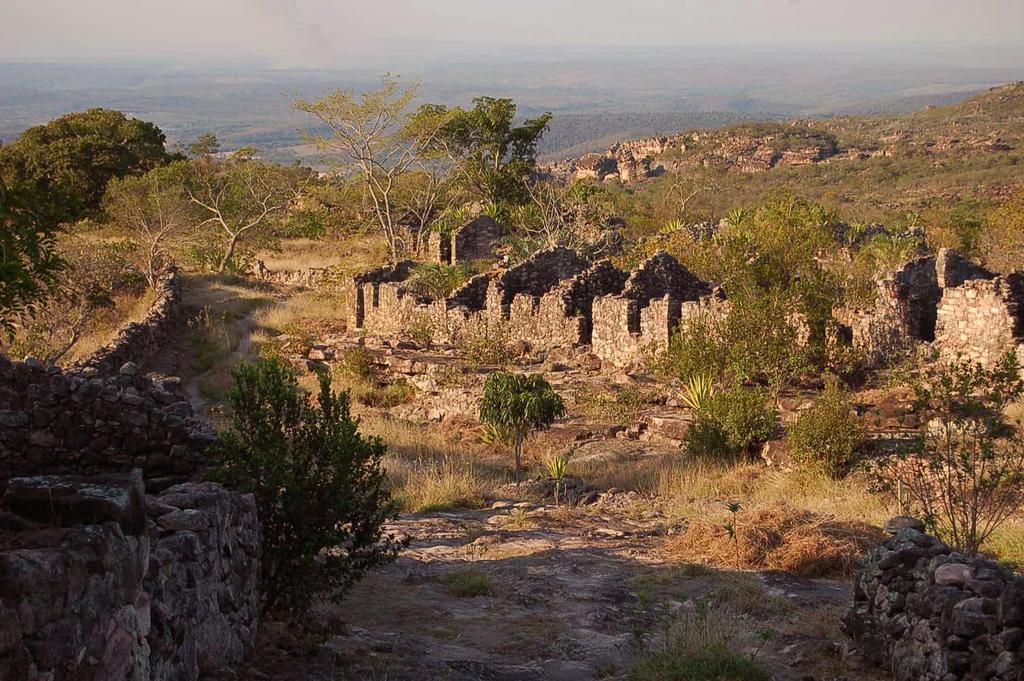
x: 319, y: 485
x: 734, y: 421
x: 387, y: 396
x: 357, y: 363
x: 827, y: 434
x: 437, y: 280
x: 490, y: 347
x: 468, y: 583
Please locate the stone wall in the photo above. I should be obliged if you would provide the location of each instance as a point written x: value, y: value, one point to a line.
x: 981, y: 319
x: 53, y: 421
x: 136, y: 342
x: 553, y: 299
x: 642, y: 318
x: 477, y: 240
x: 906, y: 310
x: 93, y: 590
x: 929, y: 614
x: 315, y: 278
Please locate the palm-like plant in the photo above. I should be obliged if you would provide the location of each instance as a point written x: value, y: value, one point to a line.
x: 557, y: 467
x: 737, y: 216
x: 698, y: 391
x: 519, y: 404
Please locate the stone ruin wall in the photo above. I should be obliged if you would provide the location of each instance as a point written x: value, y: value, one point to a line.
x: 165, y: 586
x: 138, y: 341
x: 56, y: 421
x: 981, y: 320
x: 955, y: 306
x: 474, y: 241
x: 99, y: 582
x: 553, y: 299
x: 927, y: 613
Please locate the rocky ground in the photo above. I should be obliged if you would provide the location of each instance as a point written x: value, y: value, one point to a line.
x: 523, y: 592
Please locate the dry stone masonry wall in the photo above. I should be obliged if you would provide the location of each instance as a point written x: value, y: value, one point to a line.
x: 136, y: 342
x: 553, y: 299
x: 961, y: 309
x: 930, y: 614
x: 55, y: 421
x: 91, y: 589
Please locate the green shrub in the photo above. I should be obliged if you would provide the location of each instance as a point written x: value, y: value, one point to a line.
x: 319, y: 486
x: 437, y: 280
x: 827, y: 434
x: 357, y: 363
x: 468, y: 583
x: 734, y: 421
x: 387, y: 396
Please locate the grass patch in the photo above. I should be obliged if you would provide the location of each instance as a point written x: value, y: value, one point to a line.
x: 468, y: 583
x: 702, y: 645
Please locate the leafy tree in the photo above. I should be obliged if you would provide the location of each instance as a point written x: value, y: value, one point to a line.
x: 965, y: 472
x: 318, y: 483
x: 493, y: 156
x: 519, y: 404
x: 80, y: 152
x: 29, y: 262
x: 375, y: 133
x: 241, y: 197
x: 155, y: 209
x: 205, y: 146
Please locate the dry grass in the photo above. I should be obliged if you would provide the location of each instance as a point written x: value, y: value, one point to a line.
x: 781, y: 538
x: 352, y: 255
x: 126, y: 309
x: 430, y: 472
x: 305, y: 313
x: 696, y: 489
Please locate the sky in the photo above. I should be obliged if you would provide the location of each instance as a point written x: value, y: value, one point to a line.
x: 349, y: 34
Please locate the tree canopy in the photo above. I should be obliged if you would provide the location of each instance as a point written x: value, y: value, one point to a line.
x: 79, y: 153
x: 493, y: 155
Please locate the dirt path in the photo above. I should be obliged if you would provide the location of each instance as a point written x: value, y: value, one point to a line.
x: 525, y: 593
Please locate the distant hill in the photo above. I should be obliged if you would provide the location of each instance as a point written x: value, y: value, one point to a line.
x: 871, y: 167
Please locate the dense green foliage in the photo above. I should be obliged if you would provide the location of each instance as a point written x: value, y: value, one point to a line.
x: 519, y: 404
x: 80, y: 152
x: 319, y: 485
x: 494, y: 156
x: 827, y: 434
x: 29, y: 262
x: 732, y: 422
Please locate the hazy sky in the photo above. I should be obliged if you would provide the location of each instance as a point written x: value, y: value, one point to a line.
x: 346, y: 33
